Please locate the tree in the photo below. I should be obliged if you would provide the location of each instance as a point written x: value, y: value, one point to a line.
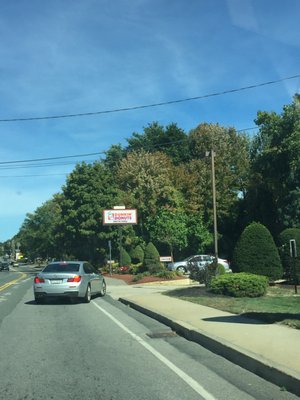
x: 146, y: 181
x: 125, y: 259
x: 38, y: 233
x: 89, y: 189
x: 231, y: 164
x: 169, y: 227
x: 137, y: 255
x: 257, y: 253
x: 274, y: 192
x: 151, y: 260
x: 170, y: 140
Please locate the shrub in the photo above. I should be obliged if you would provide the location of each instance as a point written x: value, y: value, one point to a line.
x: 240, y: 285
x: 151, y: 260
x: 137, y: 255
x: 165, y: 274
x: 204, y: 274
x: 125, y: 259
x: 287, y: 261
x: 257, y: 253
x: 140, y: 276
x: 220, y: 270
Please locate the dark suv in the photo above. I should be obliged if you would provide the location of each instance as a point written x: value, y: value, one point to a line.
x: 4, y: 265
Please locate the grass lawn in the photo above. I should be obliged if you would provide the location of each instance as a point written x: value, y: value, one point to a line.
x: 279, y: 305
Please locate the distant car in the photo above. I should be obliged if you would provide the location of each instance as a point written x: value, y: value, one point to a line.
x: 74, y: 279
x: 4, y: 266
x: 200, y: 259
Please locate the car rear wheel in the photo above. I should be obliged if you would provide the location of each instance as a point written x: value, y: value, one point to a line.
x: 38, y: 299
x: 88, y: 295
x: 103, y: 290
x: 181, y: 269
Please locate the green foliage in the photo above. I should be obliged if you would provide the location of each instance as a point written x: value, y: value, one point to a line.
x: 39, y: 232
x: 125, y: 259
x: 204, y: 274
x: 231, y: 169
x: 171, y: 140
x: 140, y: 276
x: 89, y: 189
x: 291, y: 265
x: 274, y: 193
x: 240, y: 285
x: 169, y: 227
x: 151, y: 260
x: 220, y: 269
x: 257, y: 253
x: 137, y: 255
x: 165, y: 274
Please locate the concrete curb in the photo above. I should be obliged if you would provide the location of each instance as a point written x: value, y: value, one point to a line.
x: 246, y: 360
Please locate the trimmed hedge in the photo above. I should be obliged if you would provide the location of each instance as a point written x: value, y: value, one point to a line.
x: 151, y: 260
x: 125, y: 259
x: 257, y: 253
x: 137, y: 255
x: 240, y: 285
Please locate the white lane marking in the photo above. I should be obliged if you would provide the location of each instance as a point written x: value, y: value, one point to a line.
x: 186, y: 378
x: 7, y: 294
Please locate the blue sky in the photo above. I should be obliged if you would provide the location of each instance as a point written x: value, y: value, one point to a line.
x: 65, y: 57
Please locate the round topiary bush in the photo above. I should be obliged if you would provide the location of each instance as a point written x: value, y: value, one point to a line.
x: 151, y: 259
x: 240, y: 285
x: 290, y: 265
x: 257, y: 253
x: 137, y: 255
x: 125, y: 259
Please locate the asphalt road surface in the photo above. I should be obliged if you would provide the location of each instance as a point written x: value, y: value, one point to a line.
x: 106, y: 351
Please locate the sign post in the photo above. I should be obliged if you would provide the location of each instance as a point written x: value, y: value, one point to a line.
x: 109, y: 246
x: 120, y: 215
x: 293, y: 254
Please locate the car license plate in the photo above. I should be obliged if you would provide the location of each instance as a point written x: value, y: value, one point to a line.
x: 55, y: 281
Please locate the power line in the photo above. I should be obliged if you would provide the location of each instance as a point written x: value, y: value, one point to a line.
x: 30, y: 176
x: 151, y: 105
x: 52, y: 158
x: 8, y: 164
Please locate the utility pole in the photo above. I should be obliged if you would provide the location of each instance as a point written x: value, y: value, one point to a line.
x: 213, y: 183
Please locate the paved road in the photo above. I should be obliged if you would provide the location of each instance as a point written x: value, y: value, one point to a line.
x: 107, y: 351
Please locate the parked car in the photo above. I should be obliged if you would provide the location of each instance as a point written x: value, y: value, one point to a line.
x: 200, y: 259
x: 75, y: 279
x: 4, y: 265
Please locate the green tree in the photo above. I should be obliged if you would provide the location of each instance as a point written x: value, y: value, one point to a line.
x: 231, y: 163
x: 291, y: 265
x: 170, y: 140
x: 147, y: 184
x: 125, y: 259
x: 274, y: 191
x: 38, y: 233
x: 137, y: 254
x: 257, y: 253
x: 151, y: 260
x: 169, y: 227
x: 88, y: 191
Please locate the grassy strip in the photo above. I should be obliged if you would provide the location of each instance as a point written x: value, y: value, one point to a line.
x: 279, y: 305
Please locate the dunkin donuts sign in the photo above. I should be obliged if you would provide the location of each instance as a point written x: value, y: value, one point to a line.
x: 114, y: 217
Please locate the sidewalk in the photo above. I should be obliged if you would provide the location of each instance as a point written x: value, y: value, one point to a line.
x: 268, y: 350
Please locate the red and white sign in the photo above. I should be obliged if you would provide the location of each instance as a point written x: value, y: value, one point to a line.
x: 117, y: 217
x: 165, y: 259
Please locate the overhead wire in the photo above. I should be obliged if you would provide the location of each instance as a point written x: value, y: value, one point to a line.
x: 164, y: 103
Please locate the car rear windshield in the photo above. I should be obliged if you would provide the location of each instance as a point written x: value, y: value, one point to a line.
x: 62, y: 267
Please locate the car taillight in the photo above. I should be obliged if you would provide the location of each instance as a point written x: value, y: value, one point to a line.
x: 76, y: 278
x: 39, y: 280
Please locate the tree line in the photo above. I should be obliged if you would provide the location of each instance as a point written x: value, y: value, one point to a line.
x: 165, y: 174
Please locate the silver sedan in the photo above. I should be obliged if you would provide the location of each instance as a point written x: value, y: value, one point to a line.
x: 75, y: 279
